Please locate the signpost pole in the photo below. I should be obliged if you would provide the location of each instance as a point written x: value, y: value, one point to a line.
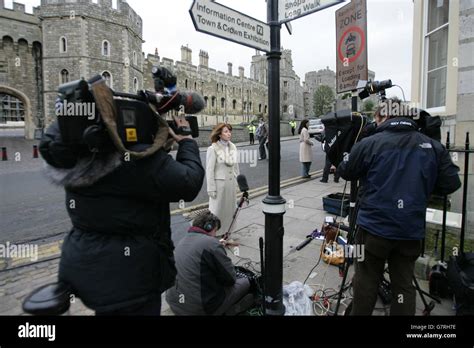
x: 274, y: 206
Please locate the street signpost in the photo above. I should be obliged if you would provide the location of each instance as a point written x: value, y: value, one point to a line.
x: 215, y: 19
x: 351, y: 66
x: 289, y: 10
x: 351, y: 36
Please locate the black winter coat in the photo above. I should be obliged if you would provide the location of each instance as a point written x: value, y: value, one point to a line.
x: 119, y: 252
x: 399, y: 169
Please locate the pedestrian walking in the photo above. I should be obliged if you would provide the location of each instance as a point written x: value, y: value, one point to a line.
x: 252, y: 129
x: 262, y: 137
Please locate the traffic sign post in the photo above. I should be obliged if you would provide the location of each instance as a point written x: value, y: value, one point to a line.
x: 351, y: 35
x: 289, y: 10
x: 215, y: 19
x: 274, y: 205
x: 218, y: 20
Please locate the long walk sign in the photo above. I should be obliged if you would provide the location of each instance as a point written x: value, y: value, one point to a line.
x: 218, y: 20
x: 289, y: 10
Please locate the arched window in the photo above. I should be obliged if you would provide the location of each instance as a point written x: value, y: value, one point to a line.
x: 195, y: 86
x: 135, y: 58
x: 266, y: 108
x: 234, y: 104
x: 64, y: 76
x: 135, y: 84
x: 245, y: 106
x: 213, y: 101
x: 63, y: 45
x: 250, y: 106
x: 285, y: 108
x: 105, y: 48
x: 205, y: 101
x: 186, y: 83
x: 222, y: 102
x: 259, y: 108
x: 108, y: 78
x: 11, y: 109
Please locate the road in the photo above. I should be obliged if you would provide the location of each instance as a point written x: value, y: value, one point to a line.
x: 32, y: 208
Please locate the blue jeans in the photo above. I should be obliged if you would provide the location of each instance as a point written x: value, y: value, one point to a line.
x: 306, y: 167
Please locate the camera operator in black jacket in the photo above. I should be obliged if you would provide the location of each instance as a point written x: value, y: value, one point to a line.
x: 398, y: 168
x: 118, y: 257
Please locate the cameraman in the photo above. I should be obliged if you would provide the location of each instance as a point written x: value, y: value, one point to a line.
x: 399, y: 168
x: 118, y: 257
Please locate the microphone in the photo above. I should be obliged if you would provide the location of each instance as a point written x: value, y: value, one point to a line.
x: 242, y: 182
x: 192, y: 103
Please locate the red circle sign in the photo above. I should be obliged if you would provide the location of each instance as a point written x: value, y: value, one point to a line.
x: 349, y: 41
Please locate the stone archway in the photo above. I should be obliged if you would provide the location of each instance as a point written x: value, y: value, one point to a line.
x: 29, y: 124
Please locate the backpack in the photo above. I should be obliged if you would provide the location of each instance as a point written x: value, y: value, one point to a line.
x: 461, y: 280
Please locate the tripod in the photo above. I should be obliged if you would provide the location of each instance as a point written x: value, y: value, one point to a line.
x: 354, y: 229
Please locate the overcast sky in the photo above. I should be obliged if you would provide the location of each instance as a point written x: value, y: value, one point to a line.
x: 168, y: 25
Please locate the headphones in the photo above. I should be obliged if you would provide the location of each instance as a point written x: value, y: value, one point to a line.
x: 212, y: 223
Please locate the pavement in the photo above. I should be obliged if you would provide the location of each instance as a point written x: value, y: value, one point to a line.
x: 304, y: 214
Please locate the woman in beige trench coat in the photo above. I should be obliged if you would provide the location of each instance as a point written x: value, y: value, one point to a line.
x: 306, y: 149
x: 222, y: 169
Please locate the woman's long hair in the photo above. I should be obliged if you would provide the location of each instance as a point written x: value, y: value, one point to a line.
x: 217, y: 131
x: 303, y: 124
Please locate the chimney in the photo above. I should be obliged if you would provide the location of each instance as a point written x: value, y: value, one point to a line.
x: 190, y: 56
x: 186, y: 55
x: 241, y: 72
x: 229, y: 69
x: 105, y: 3
x: 156, y: 52
x: 203, y: 58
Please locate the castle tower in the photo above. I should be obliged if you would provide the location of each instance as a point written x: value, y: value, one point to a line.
x: 85, y: 39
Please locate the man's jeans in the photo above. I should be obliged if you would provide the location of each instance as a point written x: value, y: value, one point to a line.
x: 401, y: 256
x: 327, y: 170
x: 263, y: 152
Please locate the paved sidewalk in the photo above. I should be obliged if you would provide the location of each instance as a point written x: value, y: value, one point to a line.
x: 304, y: 214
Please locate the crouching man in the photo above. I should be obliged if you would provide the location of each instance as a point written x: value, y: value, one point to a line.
x: 206, y: 283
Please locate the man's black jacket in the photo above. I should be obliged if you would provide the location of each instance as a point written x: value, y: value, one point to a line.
x: 119, y: 251
x: 399, y: 169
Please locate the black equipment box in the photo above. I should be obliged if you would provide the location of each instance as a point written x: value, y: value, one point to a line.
x: 334, y: 203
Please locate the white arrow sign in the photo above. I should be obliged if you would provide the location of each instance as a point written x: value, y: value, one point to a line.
x: 215, y: 19
x: 289, y: 10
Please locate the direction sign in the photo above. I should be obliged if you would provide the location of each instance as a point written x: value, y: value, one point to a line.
x: 289, y: 10
x: 351, y: 34
x: 215, y: 19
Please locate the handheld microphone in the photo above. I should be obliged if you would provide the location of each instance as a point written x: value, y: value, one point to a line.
x: 305, y: 243
x: 242, y: 182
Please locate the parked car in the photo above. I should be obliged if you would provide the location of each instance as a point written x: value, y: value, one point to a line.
x: 315, y: 127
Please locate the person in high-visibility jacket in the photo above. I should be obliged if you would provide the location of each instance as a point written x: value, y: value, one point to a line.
x: 293, y: 126
x: 252, y: 129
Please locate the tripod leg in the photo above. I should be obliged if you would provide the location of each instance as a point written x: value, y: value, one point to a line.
x: 428, y: 306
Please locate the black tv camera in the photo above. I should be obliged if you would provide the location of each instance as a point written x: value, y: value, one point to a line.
x: 375, y: 87
x: 80, y: 121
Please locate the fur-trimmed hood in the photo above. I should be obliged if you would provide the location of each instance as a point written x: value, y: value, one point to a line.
x: 86, y: 172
